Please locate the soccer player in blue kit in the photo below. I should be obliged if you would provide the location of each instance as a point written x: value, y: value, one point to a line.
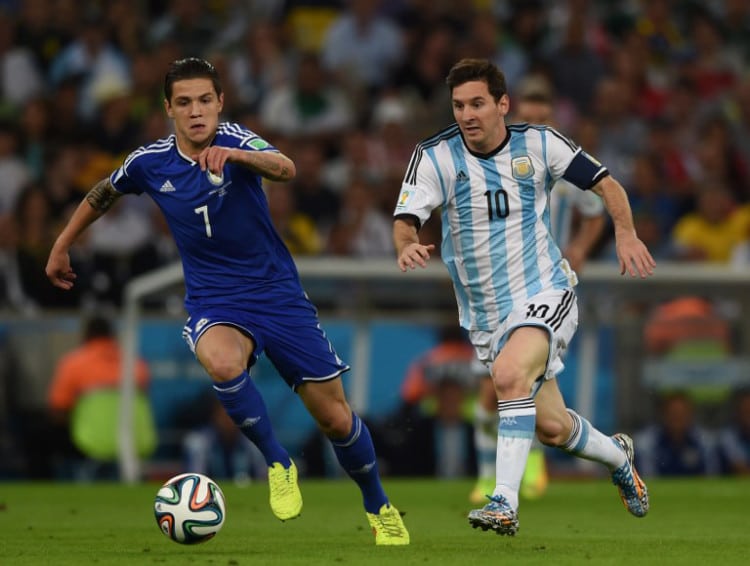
x: 243, y: 293
x: 514, y: 289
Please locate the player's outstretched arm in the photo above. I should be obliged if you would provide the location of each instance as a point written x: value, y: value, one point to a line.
x: 98, y: 201
x: 272, y: 165
x: 632, y: 253
x: 409, y: 251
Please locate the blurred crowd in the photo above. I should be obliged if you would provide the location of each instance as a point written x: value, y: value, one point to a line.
x: 658, y: 90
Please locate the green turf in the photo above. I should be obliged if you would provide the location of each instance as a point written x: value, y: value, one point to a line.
x: 700, y: 522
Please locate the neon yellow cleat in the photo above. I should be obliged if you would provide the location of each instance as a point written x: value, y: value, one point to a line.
x: 535, y: 478
x: 285, y: 497
x: 388, y: 527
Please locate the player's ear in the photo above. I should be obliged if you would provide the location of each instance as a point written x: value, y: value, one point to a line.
x: 221, y: 102
x: 504, y: 104
x: 168, y: 108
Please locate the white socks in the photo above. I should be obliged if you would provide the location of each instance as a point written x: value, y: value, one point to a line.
x: 587, y: 442
x: 515, y: 434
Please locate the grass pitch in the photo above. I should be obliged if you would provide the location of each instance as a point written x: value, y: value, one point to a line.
x: 701, y: 522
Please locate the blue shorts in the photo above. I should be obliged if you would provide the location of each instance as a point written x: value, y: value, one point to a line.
x: 291, y: 338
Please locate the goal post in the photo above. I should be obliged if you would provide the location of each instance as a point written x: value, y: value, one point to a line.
x: 359, y: 280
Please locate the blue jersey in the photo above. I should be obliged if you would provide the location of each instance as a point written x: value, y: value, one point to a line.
x: 231, y: 253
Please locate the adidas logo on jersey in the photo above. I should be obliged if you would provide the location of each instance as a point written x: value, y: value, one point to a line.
x: 461, y: 177
x: 167, y: 187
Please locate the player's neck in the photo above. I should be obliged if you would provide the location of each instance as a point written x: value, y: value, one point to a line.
x: 191, y: 149
x: 491, y: 143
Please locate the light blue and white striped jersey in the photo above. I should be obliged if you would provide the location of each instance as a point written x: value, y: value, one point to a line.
x: 231, y: 253
x: 564, y: 200
x: 496, y: 239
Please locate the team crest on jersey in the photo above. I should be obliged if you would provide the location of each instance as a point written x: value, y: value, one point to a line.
x: 215, y: 179
x: 522, y: 167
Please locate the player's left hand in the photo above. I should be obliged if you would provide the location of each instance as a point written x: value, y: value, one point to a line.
x: 635, y: 259
x: 214, y: 158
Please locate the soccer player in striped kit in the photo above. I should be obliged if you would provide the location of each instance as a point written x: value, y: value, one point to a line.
x: 577, y: 222
x: 244, y: 296
x: 514, y: 290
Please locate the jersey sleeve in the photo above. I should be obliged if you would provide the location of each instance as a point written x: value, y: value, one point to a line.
x: 247, y: 139
x: 568, y: 161
x: 125, y: 178
x: 420, y: 191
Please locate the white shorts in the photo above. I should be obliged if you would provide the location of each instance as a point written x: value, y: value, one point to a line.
x: 555, y: 310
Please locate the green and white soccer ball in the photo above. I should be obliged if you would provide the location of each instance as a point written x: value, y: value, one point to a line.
x: 190, y: 508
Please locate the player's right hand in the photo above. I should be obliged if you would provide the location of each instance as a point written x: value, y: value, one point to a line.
x: 414, y: 254
x: 59, y: 272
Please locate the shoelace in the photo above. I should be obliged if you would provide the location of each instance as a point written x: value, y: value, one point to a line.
x: 282, y: 483
x: 498, y: 503
x: 389, y: 523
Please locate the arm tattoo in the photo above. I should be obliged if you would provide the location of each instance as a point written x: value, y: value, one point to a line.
x: 102, y: 196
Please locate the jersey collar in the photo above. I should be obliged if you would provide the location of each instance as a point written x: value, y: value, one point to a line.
x: 490, y: 154
x: 185, y: 156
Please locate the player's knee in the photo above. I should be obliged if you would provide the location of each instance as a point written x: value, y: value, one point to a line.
x: 220, y: 369
x: 509, y: 381
x: 336, y: 421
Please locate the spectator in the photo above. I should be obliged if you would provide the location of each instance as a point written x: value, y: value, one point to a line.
x: 452, y: 350
x: 687, y: 327
x: 35, y: 230
x: 676, y: 445
x: 420, y: 79
x: 307, y: 21
x: 295, y: 227
x: 721, y: 160
x: 95, y: 365
x: 35, y: 129
x: 314, y: 196
x: 311, y: 106
x: 93, y: 57
x: 115, y: 131
x: 712, y: 231
x: 734, y: 18
x: 186, y: 22
x: 575, y: 65
x: 363, y: 46
x: 432, y: 437
x: 710, y: 63
x: 734, y: 439
x: 20, y: 76
x: 362, y: 229
x: 13, y: 171
x: 38, y: 31
x: 260, y: 65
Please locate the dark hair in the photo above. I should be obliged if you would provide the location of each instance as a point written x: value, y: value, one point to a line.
x: 97, y: 327
x: 478, y: 70
x: 190, y: 68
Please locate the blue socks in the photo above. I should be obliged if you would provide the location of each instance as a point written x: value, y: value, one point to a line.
x: 356, y: 454
x: 244, y: 404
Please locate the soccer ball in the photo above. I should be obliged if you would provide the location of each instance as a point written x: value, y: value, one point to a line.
x: 190, y: 508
